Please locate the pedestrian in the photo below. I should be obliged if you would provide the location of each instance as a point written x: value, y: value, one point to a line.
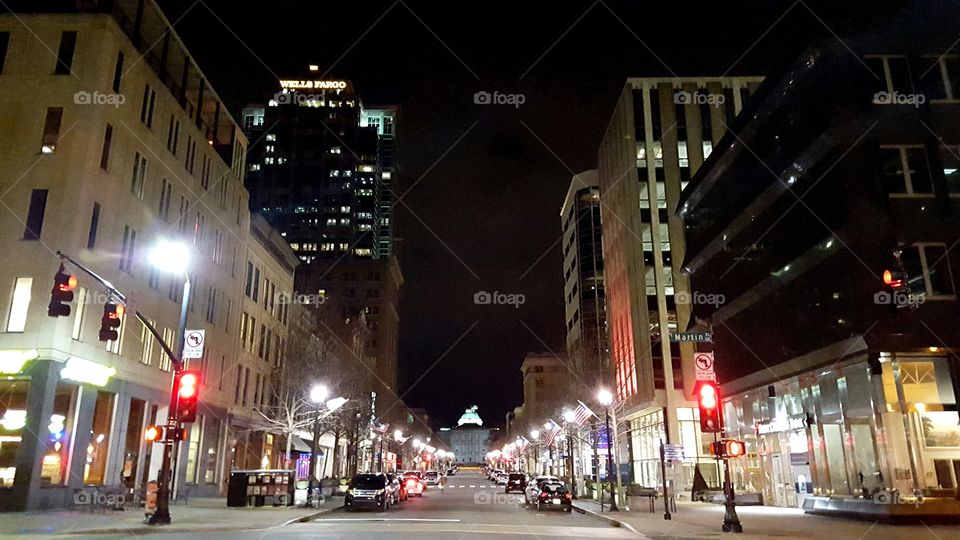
x: 443, y: 482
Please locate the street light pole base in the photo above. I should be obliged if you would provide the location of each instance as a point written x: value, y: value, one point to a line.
x: 731, y: 522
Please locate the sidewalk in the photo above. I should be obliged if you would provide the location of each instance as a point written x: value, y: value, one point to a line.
x: 702, y: 520
x: 202, y: 514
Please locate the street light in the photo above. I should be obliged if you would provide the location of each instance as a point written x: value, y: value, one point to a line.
x: 605, y: 398
x: 534, y: 433
x: 173, y: 258
x: 570, y: 417
x: 319, y: 393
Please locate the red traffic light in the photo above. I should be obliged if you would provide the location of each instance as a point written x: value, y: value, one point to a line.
x: 62, y: 293
x: 708, y: 400
x: 893, y: 279
x: 110, y: 322
x: 188, y: 393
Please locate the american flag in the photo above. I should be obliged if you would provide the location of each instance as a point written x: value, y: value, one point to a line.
x: 551, y: 434
x: 582, y: 414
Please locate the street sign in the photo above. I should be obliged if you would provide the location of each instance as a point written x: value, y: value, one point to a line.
x: 691, y: 337
x: 703, y: 362
x: 673, y: 452
x: 193, y: 344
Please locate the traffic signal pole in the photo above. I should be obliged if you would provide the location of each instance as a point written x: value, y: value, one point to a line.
x: 165, y: 480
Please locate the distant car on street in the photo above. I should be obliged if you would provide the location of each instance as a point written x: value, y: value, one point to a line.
x: 516, y: 483
x: 431, y: 478
x: 502, y: 478
x: 370, y: 490
x: 554, y: 495
x: 414, y: 483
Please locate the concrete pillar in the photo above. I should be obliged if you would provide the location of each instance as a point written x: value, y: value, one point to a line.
x: 43, y: 386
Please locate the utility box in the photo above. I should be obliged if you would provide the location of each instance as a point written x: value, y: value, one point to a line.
x: 261, y: 486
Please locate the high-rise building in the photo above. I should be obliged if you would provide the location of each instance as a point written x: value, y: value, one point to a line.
x: 320, y: 170
x: 587, y: 347
x: 122, y: 143
x: 661, y: 131
x: 841, y: 378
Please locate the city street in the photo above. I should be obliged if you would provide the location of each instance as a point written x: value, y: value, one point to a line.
x: 470, y: 507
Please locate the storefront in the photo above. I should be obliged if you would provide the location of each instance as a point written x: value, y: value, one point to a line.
x: 854, y: 429
x: 646, y: 432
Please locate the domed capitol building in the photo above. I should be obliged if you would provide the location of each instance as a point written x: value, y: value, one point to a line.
x: 469, y: 440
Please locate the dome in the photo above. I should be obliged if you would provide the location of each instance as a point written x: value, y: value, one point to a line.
x: 470, y: 416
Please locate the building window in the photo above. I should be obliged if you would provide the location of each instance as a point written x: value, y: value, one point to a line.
x: 51, y: 130
x: 105, y: 150
x: 165, y: 363
x: 94, y: 223
x: 81, y: 309
x: 19, y: 304
x: 68, y: 42
x: 128, y: 248
x: 4, y: 44
x: 173, y: 135
x: 118, y: 72
x: 147, y: 106
x: 139, y: 178
x: 248, y: 288
x: 256, y: 285
x: 945, y: 71
x: 146, y: 346
x: 928, y: 271
x: 906, y: 170
x: 193, y: 450
x: 166, y: 189
x: 94, y: 471
x: 38, y: 207
x: 191, y: 154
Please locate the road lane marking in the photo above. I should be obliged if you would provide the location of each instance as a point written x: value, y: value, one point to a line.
x: 439, y: 520
x: 472, y: 485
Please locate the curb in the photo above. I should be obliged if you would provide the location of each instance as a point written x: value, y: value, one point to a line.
x: 174, y: 529
x: 613, y: 522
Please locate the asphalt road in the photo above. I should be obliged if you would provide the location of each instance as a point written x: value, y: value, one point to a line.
x: 470, y: 507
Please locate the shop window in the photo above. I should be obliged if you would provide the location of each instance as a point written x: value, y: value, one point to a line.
x: 13, y: 417
x: 131, y: 450
x: 833, y: 443
x: 193, y: 450
x: 94, y: 471
x: 53, y: 470
x: 210, y: 471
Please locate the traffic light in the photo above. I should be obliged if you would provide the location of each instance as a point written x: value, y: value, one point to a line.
x: 110, y: 322
x: 728, y: 448
x: 154, y: 434
x: 895, y: 279
x: 708, y: 398
x: 188, y: 391
x: 62, y: 293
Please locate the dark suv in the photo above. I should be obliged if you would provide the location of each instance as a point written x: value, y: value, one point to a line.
x: 368, y: 490
x: 516, y: 482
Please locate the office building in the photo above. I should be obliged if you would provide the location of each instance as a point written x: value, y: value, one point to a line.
x: 122, y: 143
x: 661, y: 131
x: 843, y: 384
x: 587, y: 347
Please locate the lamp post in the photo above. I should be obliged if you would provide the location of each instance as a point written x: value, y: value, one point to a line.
x: 173, y: 258
x: 535, y: 450
x: 570, y: 417
x: 606, y: 399
x: 318, y: 394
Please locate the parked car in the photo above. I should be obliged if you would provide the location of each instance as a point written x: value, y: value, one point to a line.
x: 502, y: 478
x: 431, y: 478
x: 554, y: 495
x: 451, y: 472
x: 516, y: 482
x: 493, y: 474
x: 533, y: 486
x: 414, y: 484
x: 398, y: 489
x: 368, y: 490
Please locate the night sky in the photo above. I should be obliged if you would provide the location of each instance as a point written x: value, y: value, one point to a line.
x: 486, y: 182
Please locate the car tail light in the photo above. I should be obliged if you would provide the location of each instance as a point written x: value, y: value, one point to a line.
x: 567, y: 496
x: 544, y: 495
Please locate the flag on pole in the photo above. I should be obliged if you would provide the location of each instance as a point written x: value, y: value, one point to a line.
x: 551, y: 434
x: 582, y: 414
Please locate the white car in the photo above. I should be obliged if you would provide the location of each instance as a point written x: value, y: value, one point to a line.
x: 502, y: 478
x: 533, y: 486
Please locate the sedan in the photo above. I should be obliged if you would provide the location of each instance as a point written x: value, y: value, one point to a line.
x: 554, y: 495
x: 431, y: 478
x: 533, y: 487
x: 414, y: 484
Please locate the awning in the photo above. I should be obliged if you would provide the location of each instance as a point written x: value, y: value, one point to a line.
x: 299, y: 445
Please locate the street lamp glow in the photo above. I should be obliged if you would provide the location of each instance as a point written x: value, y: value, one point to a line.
x: 535, y: 434
x: 569, y: 416
x: 171, y: 257
x: 548, y: 425
x: 319, y: 393
x: 417, y: 443
x: 604, y: 397
x: 397, y: 435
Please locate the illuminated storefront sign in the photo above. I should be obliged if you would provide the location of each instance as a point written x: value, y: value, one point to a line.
x: 12, y: 361
x: 313, y: 85
x: 85, y: 371
x: 783, y: 424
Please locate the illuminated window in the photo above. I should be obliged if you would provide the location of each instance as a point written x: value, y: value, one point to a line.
x: 51, y: 130
x: 17, y: 319
x: 81, y: 307
x: 271, y: 137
